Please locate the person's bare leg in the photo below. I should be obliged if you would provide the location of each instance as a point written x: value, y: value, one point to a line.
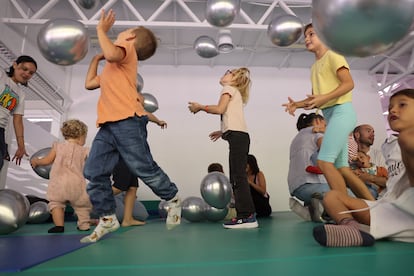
x: 355, y: 183
x: 333, y: 176
x: 116, y: 191
x: 58, y: 217
x: 129, y: 202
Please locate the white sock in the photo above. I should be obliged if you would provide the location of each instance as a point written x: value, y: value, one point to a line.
x: 106, y: 225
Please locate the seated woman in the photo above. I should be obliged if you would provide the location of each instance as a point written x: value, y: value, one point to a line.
x: 257, y: 182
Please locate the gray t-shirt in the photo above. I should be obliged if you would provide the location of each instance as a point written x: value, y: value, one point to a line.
x: 11, y: 99
x: 301, y: 149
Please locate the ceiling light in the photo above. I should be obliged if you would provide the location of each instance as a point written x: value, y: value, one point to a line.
x: 225, y: 43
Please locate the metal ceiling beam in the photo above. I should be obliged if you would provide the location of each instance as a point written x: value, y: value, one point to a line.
x: 195, y: 22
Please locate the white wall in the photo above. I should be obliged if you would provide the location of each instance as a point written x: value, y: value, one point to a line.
x: 184, y: 150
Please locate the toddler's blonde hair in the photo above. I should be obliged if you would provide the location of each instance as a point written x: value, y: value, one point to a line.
x: 73, y: 129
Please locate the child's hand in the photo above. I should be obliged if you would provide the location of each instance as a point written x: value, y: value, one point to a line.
x: 162, y: 124
x: 194, y: 107
x: 106, y: 21
x: 290, y: 106
x: 315, y: 101
x: 33, y: 162
x: 214, y: 136
x: 100, y: 56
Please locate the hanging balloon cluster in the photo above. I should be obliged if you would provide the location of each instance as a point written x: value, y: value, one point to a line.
x: 219, y: 13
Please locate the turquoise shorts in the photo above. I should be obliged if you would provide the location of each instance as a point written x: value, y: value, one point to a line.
x: 341, y: 121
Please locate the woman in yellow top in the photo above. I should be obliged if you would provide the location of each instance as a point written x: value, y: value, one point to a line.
x: 332, y: 86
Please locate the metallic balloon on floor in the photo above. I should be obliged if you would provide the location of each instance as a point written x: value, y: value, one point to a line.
x: 221, y: 13
x: 14, y: 210
x: 192, y: 209
x: 362, y: 27
x: 38, y: 212
x: 42, y: 171
x: 214, y: 214
x: 285, y: 30
x: 63, y: 41
x: 150, y: 102
x: 216, y: 190
x: 206, y: 47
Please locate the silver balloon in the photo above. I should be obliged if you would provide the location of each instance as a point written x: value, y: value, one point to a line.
x: 14, y: 210
x: 140, y: 83
x: 163, y: 208
x: 150, y: 102
x: 63, y: 41
x: 192, y: 209
x: 214, y: 214
x: 38, y: 212
x: 362, y: 27
x: 284, y: 30
x: 87, y: 4
x: 42, y: 171
x: 215, y: 188
x: 206, y: 47
x: 221, y: 13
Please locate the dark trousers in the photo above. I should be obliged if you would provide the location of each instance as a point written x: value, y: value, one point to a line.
x: 3, y: 147
x: 239, y: 143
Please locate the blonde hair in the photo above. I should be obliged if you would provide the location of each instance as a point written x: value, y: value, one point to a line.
x: 241, y: 80
x: 145, y: 43
x: 73, y: 129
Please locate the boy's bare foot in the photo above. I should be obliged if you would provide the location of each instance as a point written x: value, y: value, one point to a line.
x: 132, y: 222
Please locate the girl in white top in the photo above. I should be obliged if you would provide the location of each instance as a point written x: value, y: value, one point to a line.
x: 234, y: 95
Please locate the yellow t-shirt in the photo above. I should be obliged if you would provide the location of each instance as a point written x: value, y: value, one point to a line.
x: 324, y: 78
x: 119, y: 98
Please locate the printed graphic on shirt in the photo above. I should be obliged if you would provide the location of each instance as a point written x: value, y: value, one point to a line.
x: 395, y: 168
x: 8, y: 98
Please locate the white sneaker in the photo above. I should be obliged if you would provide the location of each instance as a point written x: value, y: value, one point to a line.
x: 299, y: 209
x: 106, y: 225
x: 174, y: 213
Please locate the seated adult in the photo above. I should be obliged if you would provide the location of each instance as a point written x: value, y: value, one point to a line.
x: 305, y: 184
x: 257, y: 182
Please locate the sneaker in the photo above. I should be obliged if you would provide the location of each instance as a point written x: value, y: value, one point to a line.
x: 173, y: 213
x: 299, y: 209
x: 242, y: 223
x: 316, y: 208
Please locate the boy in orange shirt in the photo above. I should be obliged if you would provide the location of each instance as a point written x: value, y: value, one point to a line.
x: 122, y: 123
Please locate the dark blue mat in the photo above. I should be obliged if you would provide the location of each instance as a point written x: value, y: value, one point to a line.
x: 21, y: 252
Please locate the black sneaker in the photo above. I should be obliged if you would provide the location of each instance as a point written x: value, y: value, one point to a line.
x: 242, y: 223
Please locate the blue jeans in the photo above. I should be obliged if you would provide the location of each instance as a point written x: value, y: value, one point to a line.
x: 128, y: 139
x: 305, y: 191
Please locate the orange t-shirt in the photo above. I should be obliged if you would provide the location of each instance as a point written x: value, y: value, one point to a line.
x: 118, y: 80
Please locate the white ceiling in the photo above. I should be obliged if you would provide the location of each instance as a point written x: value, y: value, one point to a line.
x: 178, y: 23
